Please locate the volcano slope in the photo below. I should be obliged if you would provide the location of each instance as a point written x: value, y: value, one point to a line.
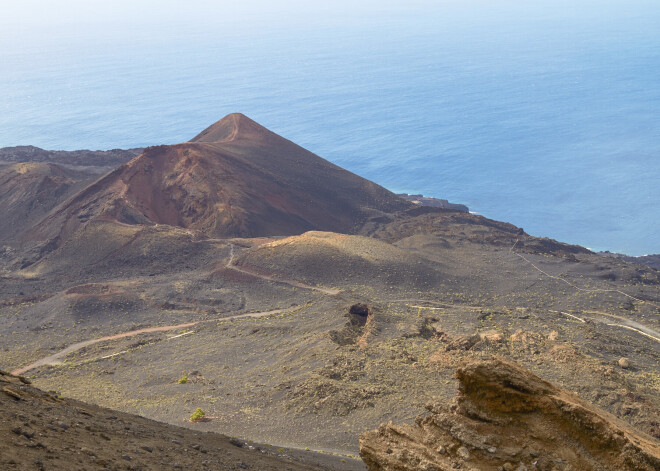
x: 371, y: 323
x: 236, y: 179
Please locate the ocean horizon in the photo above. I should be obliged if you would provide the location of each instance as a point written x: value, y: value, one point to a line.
x: 544, y: 115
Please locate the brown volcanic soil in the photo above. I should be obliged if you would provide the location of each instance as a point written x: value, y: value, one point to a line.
x: 309, y: 377
x: 506, y: 418
x: 236, y: 179
x: 441, y: 287
x: 29, y: 190
x: 41, y: 430
x: 342, y: 260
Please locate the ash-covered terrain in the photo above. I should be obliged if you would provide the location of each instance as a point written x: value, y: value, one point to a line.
x: 302, y: 304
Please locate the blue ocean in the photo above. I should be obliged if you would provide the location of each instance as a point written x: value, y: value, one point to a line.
x: 545, y: 114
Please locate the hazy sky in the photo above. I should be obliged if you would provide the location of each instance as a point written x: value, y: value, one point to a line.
x: 135, y: 11
x: 40, y: 19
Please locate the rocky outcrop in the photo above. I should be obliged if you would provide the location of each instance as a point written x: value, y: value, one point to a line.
x: 422, y: 200
x: 357, y: 314
x: 506, y: 418
x: 354, y: 330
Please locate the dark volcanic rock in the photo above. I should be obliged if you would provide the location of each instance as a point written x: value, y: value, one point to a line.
x: 358, y: 314
x: 433, y: 202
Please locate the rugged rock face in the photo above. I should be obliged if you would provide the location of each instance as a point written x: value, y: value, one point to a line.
x: 506, y: 418
x: 354, y: 330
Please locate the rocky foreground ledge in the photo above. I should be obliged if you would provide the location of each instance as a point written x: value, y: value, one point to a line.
x: 506, y: 418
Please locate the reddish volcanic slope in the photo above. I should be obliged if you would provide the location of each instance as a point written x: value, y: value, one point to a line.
x: 235, y: 179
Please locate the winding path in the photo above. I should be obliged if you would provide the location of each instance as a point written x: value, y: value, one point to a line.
x: 627, y: 324
x: 297, y: 284
x: 586, y: 290
x: 55, y: 358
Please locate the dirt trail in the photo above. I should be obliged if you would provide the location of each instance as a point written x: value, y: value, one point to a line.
x: 297, y: 284
x: 442, y: 305
x: 56, y: 357
x: 585, y: 290
x: 626, y: 324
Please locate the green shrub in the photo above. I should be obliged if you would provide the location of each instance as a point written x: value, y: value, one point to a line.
x: 198, y: 415
x: 183, y: 380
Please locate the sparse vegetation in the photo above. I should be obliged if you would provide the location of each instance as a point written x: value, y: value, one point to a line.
x: 198, y: 416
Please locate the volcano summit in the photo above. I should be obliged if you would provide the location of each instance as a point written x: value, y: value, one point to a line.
x: 235, y: 179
